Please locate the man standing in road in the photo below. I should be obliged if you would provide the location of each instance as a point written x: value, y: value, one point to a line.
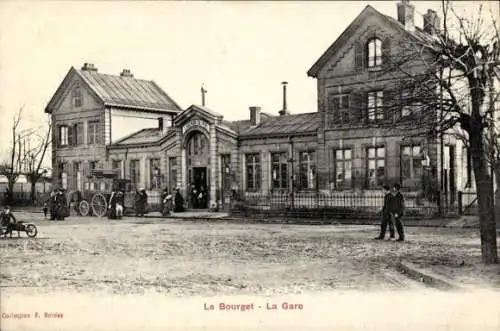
x: 386, y: 216
x: 396, y: 209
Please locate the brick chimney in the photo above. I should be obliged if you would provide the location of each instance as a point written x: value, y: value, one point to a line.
x: 88, y: 67
x: 254, y: 115
x: 432, y: 22
x: 406, y: 14
x: 284, y: 111
x: 126, y: 73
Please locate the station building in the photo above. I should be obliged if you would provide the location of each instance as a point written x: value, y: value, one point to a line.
x: 132, y: 128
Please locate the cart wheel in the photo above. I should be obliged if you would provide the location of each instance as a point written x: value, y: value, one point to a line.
x: 31, y: 230
x: 99, y: 205
x: 84, y: 208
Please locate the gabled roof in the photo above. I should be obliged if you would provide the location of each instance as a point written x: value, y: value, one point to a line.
x: 120, y: 91
x: 348, y: 32
x: 281, y: 125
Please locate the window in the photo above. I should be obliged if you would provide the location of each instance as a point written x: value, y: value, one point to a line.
x: 374, y: 53
x: 92, y: 166
x: 307, y: 162
x: 376, y: 166
x: 77, y: 176
x: 77, y: 134
x: 338, y: 106
x: 409, y: 104
x: 116, y: 166
x: 343, y: 168
x: 77, y: 96
x: 93, y: 133
x: 375, y: 106
x: 411, y: 163
x: 154, y: 174
x: 63, y: 135
x: 253, y: 172
x: 135, y: 175
x: 172, y: 168
x: 226, y: 174
x: 198, y: 144
x: 279, y: 170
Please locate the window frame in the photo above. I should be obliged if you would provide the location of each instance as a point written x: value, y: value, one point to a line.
x: 76, y: 96
x: 338, y: 107
x: 412, y: 158
x: 374, y: 61
x: 253, y: 161
x: 375, y: 114
x: 152, y: 178
x: 347, y: 183
x: 376, y: 159
x: 63, y: 138
x: 281, y: 181
x: 93, y: 137
x: 309, y: 163
x: 135, y: 173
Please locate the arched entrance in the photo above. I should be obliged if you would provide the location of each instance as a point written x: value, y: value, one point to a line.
x: 198, y: 169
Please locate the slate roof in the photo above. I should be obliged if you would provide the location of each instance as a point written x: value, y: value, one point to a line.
x: 144, y: 136
x: 281, y: 125
x: 115, y: 90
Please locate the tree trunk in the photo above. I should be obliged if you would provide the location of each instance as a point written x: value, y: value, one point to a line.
x: 33, y: 191
x: 485, y: 196
x: 497, y: 196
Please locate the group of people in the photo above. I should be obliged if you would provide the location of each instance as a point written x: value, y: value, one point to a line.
x: 56, y: 205
x: 198, y: 197
x: 166, y: 202
x: 392, y: 213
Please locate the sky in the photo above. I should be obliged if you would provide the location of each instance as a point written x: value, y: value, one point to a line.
x: 240, y: 51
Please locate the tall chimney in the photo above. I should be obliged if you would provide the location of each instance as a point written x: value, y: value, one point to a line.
x: 284, y: 111
x: 88, y: 67
x: 406, y: 14
x: 432, y: 23
x: 126, y: 73
x: 254, y: 115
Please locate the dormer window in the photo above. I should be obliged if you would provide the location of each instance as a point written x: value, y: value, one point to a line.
x: 374, y: 52
x: 77, y: 96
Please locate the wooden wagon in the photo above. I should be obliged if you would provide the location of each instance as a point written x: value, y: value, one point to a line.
x: 94, y: 200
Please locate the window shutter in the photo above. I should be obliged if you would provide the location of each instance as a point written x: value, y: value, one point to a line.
x: 58, y: 135
x: 386, y: 54
x: 389, y: 105
x: 359, y: 57
x: 357, y: 107
x: 70, y: 135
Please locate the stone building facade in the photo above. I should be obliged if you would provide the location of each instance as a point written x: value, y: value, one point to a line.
x: 348, y: 144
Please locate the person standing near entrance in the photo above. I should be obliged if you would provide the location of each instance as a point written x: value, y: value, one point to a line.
x: 386, y: 216
x: 396, y: 210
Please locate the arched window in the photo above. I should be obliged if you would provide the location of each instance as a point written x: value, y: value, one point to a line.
x: 374, y: 52
x: 197, y: 144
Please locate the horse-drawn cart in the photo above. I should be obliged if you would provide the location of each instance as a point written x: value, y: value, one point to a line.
x: 95, y: 202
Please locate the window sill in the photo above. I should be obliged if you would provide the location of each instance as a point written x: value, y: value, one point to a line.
x: 374, y: 68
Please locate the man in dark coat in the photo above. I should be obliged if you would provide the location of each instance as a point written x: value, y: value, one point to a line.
x: 396, y: 209
x: 8, y: 220
x: 386, y: 216
x: 178, y: 202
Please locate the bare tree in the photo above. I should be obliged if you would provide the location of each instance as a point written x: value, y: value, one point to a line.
x: 33, y: 157
x: 23, y: 158
x: 449, y: 80
x: 11, y: 168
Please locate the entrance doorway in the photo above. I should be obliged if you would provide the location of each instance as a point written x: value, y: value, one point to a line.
x: 198, y: 170
x: 199, y: 180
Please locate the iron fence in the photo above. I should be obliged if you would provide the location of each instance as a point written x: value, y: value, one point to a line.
x: 344, y: 204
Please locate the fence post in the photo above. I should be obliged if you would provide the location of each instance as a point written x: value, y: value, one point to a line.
x: 459, y: 196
